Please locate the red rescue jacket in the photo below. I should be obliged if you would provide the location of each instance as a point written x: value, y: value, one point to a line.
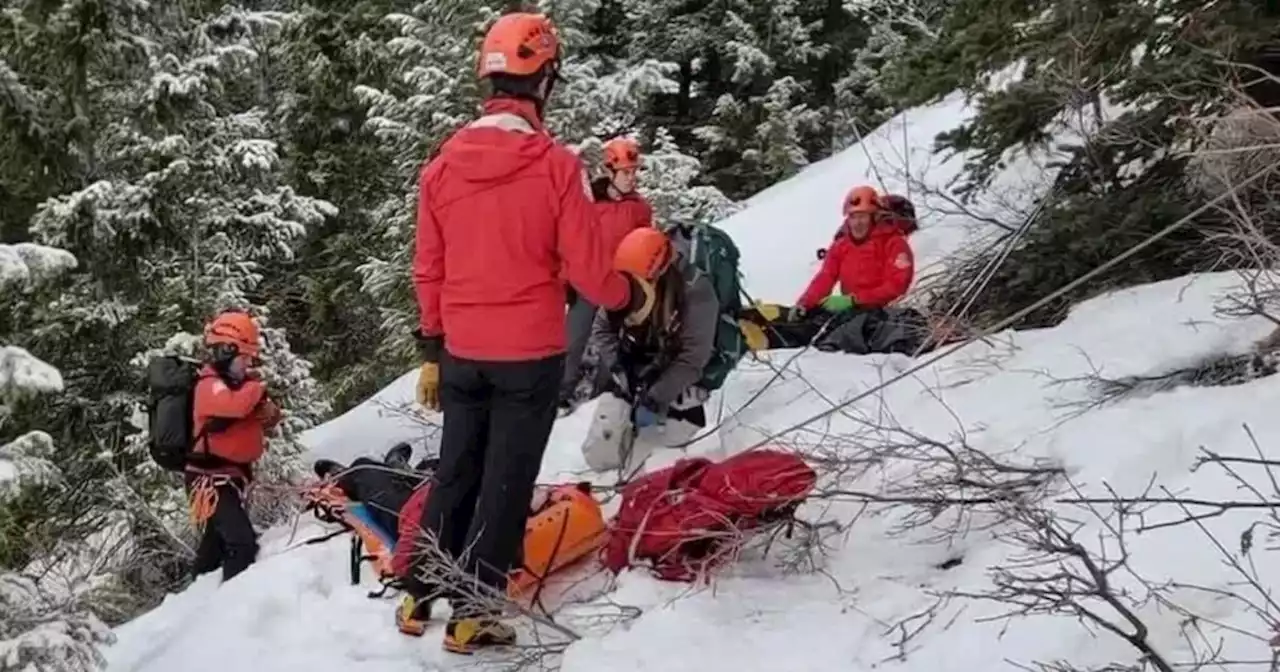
x: 875, y: 272
x: 503, y: 212
x: 246, y: 415
x: 620, y: 217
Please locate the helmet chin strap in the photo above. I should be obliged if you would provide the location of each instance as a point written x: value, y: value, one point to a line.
x: 551, y: 76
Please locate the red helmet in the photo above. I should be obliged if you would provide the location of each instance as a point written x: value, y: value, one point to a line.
x: 622, y: 154
x: 519, y: 44
x: 862, y: 199
x: 233, y: 327
x: 645, y: 253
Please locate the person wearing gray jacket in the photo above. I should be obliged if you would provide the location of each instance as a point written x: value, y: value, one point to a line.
x: 657, y: 363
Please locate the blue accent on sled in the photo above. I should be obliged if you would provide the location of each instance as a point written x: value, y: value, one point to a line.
x: 361, y: 512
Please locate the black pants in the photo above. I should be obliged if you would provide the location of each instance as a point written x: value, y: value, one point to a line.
x: 497, y: 420
x: 380, y: 488
x: 228, y: 541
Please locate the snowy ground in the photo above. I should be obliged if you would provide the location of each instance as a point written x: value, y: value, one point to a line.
x: 1018, y: 397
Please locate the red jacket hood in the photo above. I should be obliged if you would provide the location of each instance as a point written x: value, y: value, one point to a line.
x: 505, y: 140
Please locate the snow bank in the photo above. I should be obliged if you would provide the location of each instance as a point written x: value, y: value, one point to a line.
x: 1020, y: 392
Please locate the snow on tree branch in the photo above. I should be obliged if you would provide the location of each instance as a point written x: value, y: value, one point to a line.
x: 24, y: 463
x: 21, y: 372
x: 25, y: 263
x: 40, y: 634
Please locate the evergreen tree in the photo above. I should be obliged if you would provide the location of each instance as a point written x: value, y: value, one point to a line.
x: 38, y: 630
x: 182, y: 210
x: 320, y: 62
x: 1136, y: 80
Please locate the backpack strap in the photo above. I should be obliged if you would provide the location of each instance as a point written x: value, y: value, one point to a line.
x: 213, y: 425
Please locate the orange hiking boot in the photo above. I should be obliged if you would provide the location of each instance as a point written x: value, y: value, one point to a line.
x: 467, y: 635
x: 412, y: 615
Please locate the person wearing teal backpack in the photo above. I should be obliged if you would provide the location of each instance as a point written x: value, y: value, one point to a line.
x: 714, y: 255
x: 659, y: 364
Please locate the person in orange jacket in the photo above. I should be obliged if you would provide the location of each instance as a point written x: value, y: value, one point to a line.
x: 231, y: 416
x: 504, y: 220
x: 871, y: 260
x: 621, y: 210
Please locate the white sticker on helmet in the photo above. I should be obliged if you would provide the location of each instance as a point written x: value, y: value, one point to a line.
x: 495, y: 60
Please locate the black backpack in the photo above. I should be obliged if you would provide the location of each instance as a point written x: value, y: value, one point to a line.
x: 171, y: 382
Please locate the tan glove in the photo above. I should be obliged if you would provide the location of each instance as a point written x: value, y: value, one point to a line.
x: 754, y: 335
x: 429, y: 386
x: 769, y: 311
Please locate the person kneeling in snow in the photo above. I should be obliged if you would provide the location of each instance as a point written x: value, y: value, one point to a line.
x: 654, y: 358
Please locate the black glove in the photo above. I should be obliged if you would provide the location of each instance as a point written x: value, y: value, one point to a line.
x: 429, y: 347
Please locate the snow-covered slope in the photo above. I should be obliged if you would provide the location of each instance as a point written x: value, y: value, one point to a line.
x: 782, y: 227
x: 1022, y: 399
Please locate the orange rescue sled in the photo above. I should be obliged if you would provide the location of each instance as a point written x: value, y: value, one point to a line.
x: 567, y: 527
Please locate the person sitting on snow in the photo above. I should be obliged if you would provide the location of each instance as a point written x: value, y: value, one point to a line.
x: 873, y: 263
x: 655, y: 357
x: 870, y: 259
x: 620, y: 209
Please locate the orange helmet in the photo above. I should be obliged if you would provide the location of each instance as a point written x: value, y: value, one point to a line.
x: 233, y: 327
x: 621, y: 154
x: 519, y: 44
x: 862, y: 199
x: 645, y: 253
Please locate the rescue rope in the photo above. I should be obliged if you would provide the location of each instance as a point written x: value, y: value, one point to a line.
x: 980, y: 283
x: 203, y: 499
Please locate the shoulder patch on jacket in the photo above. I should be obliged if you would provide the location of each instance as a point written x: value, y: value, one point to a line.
x: 902, y: 261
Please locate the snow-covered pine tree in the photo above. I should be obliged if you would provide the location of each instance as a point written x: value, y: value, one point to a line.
x: 433, y: 93
x: 868, y: 91
x: 185, y: 213
x: 40, y: 631
x: 24, y: 460
x: 1131, y: 85
x: 670, y: 180
x: 326, y: 52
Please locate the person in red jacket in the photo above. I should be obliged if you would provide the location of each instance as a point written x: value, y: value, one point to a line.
x: 231, y: 414
x: 504, y: 218
x: 872, y: 262
x: 621, y: 209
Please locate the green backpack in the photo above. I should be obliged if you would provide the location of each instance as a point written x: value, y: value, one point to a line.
x: 714, y: 253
